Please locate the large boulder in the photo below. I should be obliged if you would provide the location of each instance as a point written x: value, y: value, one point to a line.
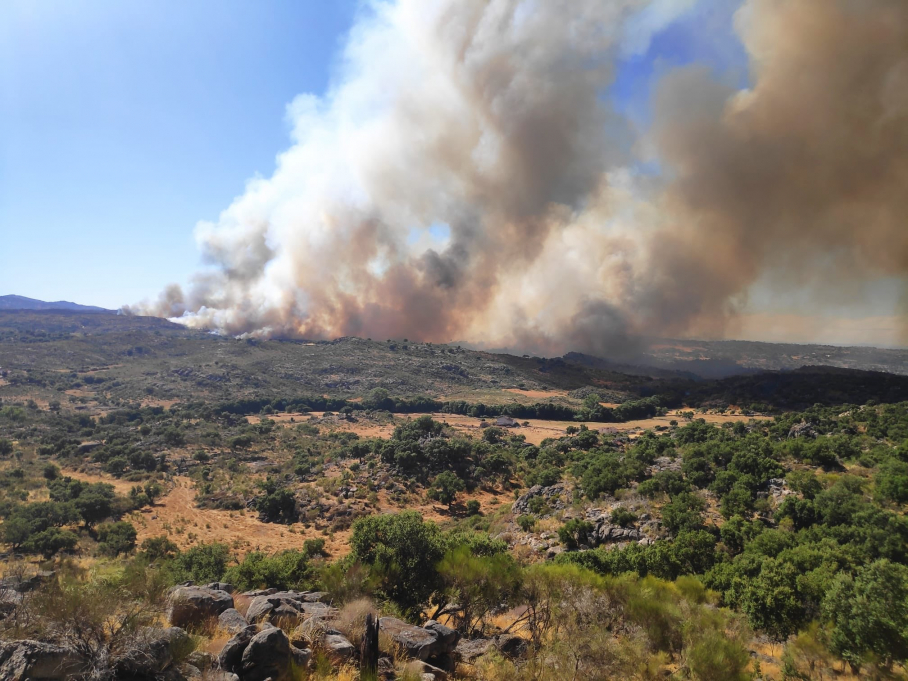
x: 339, y: 649
x: 469, y: 651
x: 38, y: 661
x: 231, y: 656
x: 447, y: 637
x: 287, y: 606
x: 156, y: 650
x: 220, y: 586
x: 269, y: 655
x: 232, y: 621
x: 195, y: 605
x: 415, y: 642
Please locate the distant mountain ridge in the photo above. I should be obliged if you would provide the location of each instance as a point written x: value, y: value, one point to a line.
x: 13, y: 302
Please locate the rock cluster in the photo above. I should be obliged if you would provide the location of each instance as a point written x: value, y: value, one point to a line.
x: 257, y: 650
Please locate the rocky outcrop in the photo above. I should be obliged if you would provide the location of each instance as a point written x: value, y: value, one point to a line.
x: 291, y: 607
x: 231, y: 656
x: 156, y: 650
x: 552, y: 495
x: 194, y: 605
x: 420, y: 643
x: 269, y: 655
x: 339, y: 649
x: 38, y: 661
x: 232, y: 621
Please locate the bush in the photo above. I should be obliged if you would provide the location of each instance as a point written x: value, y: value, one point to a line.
x: 116, y: 538
x: 622, y: 517
x: 50, y: 542
x: 286, y: 570
x: 201, y: 564
x: 159, y: 548
x: 526, y: 522
x: 473, y: 507
x: 574, y: 533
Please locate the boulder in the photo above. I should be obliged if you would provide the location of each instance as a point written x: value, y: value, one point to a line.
x: 202, y: 660
x: 231, y: 655
x: 511, y: 646
x: 269, y: 655
x: 315, y: 596
x: 194, y: 605
x: 469, y: 651
x: 338, y: 647
x: 159, y: 648
x: 447, y: 637
x: 39, y: 661
x: 232, y: 621
x: 285, y: 605
x: 415, y: 642
x: 220, y: 586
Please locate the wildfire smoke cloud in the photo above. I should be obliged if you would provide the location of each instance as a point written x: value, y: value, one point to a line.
x: 465, y: 178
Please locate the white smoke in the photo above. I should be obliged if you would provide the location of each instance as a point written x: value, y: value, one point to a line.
x: 465, y: 178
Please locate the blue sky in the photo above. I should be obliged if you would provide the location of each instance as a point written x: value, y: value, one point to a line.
x: 124, y: 123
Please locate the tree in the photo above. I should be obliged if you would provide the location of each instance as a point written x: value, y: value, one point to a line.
x: 574, y: 533
x: 6, y: 447
x: 445, y: 488
x: 153, y: 490
x: 771, y: 602
x: 159, y: 548
x: 16, y: 531
x: 869, y: 613
x: 116, y: 538
x: 402, y: 551
x: 95, y: 504
x: 50, y: 542
x: 684, y: 512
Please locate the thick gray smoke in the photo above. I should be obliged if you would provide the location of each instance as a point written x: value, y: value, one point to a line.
x: 466, y: 179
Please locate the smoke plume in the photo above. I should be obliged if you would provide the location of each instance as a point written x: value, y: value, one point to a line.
x: 465, y: 178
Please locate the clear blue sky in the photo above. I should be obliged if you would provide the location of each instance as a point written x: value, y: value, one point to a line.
x: 125, y: 122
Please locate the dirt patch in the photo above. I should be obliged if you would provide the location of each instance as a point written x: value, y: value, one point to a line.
x: 175, y: 515
x: 537, y: 430
x: 537, y: 393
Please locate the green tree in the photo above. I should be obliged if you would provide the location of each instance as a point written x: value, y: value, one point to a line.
x: 869, y: 613
x: 574, y: 533
x: 202, y: 563
x: 50, y: 542
x: 684, y: 512
x: 403, y: 552
x: 116, y: 538
x: 445, y: 488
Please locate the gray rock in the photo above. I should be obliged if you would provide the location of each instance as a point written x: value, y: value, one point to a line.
x: 447, y: 637
x: 511, y: 646
x: 221, y: 586
x: 194, y: 605
x: 232, y: 621
x: 259, y: 609
x: 338, y: 647
x: 202, y: 660
x: 415, y: 642
x: 231, y: 656
x: 469, y: 651
x: 269, y: 655
x: 38, y: 661
x: 158, y: 649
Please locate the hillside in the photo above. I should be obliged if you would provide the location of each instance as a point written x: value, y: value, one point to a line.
x: 13, y: 302
x: 634, y: 524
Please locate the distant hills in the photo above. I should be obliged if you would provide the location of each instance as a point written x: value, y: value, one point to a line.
x: 23, y: 303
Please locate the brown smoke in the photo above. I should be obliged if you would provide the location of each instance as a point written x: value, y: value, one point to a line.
x: 487, y: 117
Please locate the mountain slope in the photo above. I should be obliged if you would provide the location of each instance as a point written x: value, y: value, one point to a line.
x: 13, y: 302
